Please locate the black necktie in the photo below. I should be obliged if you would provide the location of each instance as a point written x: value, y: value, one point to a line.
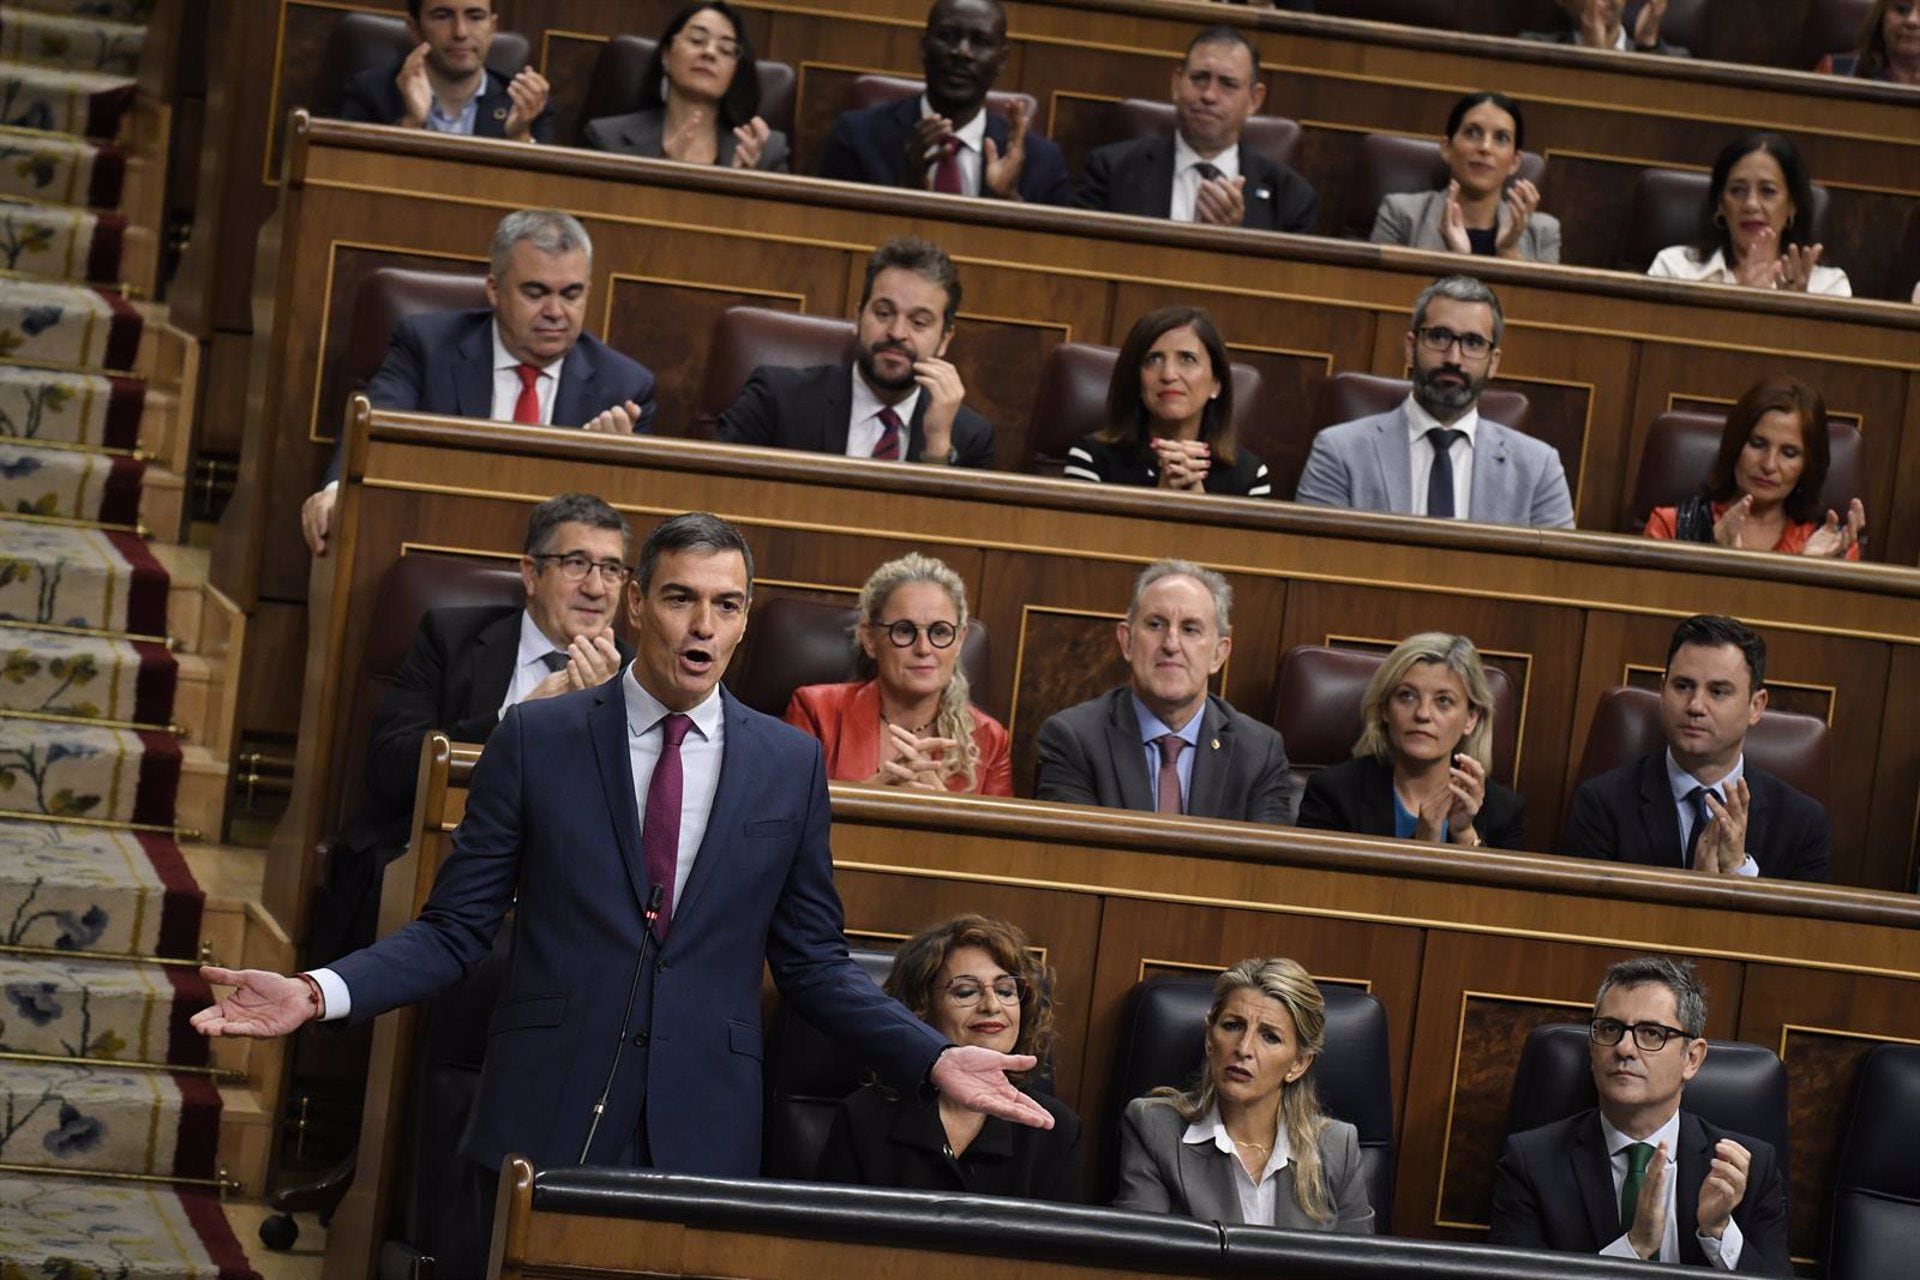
x: 555, y: 661
x: 1697, y: 798
x: 1207, y: 170
x: 1440, y: 479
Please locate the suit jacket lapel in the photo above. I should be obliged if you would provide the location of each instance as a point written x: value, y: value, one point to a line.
x: 1212, y: 763
x: 1426, y: 232
x: 1657, y: 815
x: 1594, y: 1176
x: 1395, y: 458
x: 834, y: 404
x: 916, y: 441
x: 732, y: 801
x: 494, y: 652
x: 1695, y: 1156
x: 1376, y: 814
x: 490, y: 113
x: 473, y: 370
x: 573, y: 398
x: 613, y: 754
x: 903, y: 115
x: 1206, y: 1180
x: 1129, y: 759
x: 1158, y: 159
x: 1492, y: 476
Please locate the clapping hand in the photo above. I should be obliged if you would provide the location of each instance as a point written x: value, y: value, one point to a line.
x: 1521, y: 200
x: 749, y: 141
x: 1725, y: 1187
x: 1726, y: 530
x: 1453, y: 226
x: 416, y: 91
x: 1835, y: 539
x: 1221, y: 202
x: 617, y: 420
x: 1650, y: 1210
x: 1000, y: 174
x: 263, y: 1004
x: 1467, y: 789
x: 1646, y: 27
x: 1723, y: 845
x: 591, y: 662
x: 528, y: 91
x: 923, y: 148
x: 1183, y: 463
x: 1794, y: 268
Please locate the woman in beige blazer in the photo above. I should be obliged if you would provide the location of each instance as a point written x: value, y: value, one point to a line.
x: 1486, y: 208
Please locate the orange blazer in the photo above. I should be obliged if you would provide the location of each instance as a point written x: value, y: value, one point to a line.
x: 846, y: 719
x: 1664, y: 523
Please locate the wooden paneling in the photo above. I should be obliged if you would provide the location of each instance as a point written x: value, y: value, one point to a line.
x: 672, y: 321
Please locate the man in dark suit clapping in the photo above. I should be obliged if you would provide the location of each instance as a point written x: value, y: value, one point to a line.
x: 444, y: 84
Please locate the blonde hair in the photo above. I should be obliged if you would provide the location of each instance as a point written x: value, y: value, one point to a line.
x: 1290, y: 986
x: 1457, y: 654
x: 954, y: 720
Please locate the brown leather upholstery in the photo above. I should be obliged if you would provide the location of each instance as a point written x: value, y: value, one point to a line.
x: 872, y: 91
x: 362, y: 41
x: 744, y: 338
x: 794, y: 641
x: 1316, y: 708
x: 1347, y: 396
x: 1274, y: 137
x: 1072, y: 401
x: 1391, y: 163
x: 1666, y: 211
x: 614, y: 89
x: 388, y: 295
x: 1681, y: 447
x: 1833, y: 26
x: 1794, y: 748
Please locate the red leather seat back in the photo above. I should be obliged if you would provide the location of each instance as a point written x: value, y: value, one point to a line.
x: 1666, y: 211
x: 1072, y: 401
x: 1681, y: 448
x: 744, y: 338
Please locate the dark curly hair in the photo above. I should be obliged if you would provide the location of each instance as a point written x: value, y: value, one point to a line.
x: 917, y: 965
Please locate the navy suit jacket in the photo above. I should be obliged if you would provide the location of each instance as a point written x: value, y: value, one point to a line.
x: 1136, y: 177
x: 373, y: 98
x: 442, y: 362
x: 1553, y: 1189
x: 809, y: 409
x: 552, y: 817
x: 869, y: 145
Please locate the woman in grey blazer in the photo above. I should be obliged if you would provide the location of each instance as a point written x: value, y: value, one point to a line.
x: 1486, y: 208
x: 1249, y: 1143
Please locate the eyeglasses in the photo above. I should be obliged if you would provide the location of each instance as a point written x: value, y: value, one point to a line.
x: 1651, y: 1037
x: 905, y: 634
x: 574, y: 567
x: 1439, y: 338
x: 699, y: 40
x: 1007, y: 989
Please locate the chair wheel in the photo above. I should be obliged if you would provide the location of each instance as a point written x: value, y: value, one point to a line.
x: 279, y: 1232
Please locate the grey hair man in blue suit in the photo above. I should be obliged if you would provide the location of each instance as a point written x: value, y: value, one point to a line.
x: 1435, y: 455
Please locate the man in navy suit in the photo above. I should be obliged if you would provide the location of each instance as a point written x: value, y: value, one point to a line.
x: 1202, y: 172
x: 1698, y: 803
x: 524, y: 359
x: 444, y: 84
x: 945, y: 139
x: 585, y: 806
x: 1638, y: 1177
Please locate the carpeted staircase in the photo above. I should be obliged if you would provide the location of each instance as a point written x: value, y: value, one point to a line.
x: 111, y: 747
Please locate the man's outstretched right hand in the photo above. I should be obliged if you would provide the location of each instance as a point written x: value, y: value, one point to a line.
x: 262, y: 1005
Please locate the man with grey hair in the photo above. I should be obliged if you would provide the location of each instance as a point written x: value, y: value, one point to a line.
x: 1161, y: 743
x: 1637, y: 1176
x: 523, y: 358
x: 1434, y: 455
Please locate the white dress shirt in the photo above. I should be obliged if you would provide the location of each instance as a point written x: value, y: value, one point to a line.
x: 1186, y: 175
x: 528, y: 669
x: 971, y: 155
x: 506, y: 382
x: 1683, y: 784
x: 1676, y: 262
x: 863, y: 420
x: 1420, y: 454
x: 1723, y: 1254
x: 1257, y: 1195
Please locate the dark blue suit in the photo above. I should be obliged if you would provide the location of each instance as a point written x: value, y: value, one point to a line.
x: 869, y: 145
x: 442, y: 362
x: 552, y: 817
x: 374, y: 98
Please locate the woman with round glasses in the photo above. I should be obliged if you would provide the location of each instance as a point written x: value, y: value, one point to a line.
x: 977, y: 982
x: 1248, y: 1143
x: 1486, y: 208
x: 910, y: 722
x: 700, y: 95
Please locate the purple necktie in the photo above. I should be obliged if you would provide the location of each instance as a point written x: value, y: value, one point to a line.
x: 1171, y: 745
x: 660, y: 829
x: 887, y: 448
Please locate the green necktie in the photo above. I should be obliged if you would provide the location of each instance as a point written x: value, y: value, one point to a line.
x: 1638, y: 1157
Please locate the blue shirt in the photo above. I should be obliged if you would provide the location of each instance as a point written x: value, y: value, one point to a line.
x: 1405, y: 823
x: 439, y: 121
x: 1152, y: 727
x: 1683, y: 784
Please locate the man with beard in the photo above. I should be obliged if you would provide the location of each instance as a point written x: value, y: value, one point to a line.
x: 899, y: 400
x: 443, y: 84
x: 945, y: 140
x: 1434, y: 455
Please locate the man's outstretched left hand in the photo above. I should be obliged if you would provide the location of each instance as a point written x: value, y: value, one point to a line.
x: 976, y: 1078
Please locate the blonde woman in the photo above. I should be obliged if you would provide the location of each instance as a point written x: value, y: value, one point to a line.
x: 1249, y: 1143
x: 1419, y: 770
x: 910, y: 722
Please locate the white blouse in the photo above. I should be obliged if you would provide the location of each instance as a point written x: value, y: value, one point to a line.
x: 1676, y: 262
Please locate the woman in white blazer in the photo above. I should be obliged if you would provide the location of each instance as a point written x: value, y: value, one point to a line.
x: 1486, y: 208
x: 1753, y: 227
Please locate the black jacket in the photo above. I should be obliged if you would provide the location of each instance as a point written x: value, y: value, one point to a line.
x: 869, y: 145
x: 372, y: 97
x: 808, y: 409
x: 1089, y: 459
x: 1137, y: 177
x: 882, y: 1140
x: 1357, y: 795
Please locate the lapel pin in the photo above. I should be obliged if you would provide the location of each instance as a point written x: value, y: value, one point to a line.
x: 499, y: 113
x: 1216, y: 744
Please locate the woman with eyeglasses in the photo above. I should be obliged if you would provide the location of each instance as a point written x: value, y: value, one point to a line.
x: 976, y: 981
x: 700, y: 95
x: 1248, y: 1144
x: 1486, y: 208
x: 911, y: 721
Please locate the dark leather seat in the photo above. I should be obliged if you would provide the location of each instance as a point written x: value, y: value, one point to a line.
x: 1160, y: 1044
x: 1274, y: 137
x: 1316, y: 708
x: 1794, y: 748
x: 1666, y: 211
x: 808, y: 1073
x: 744, y: 338
x: 1832, y: 26
x: 387, y: 296
x: 1742, y: 1087
x: 1906, y: 264
x: 1876, y: 1195
x: 1681, y: 448
x: 1347, y: 396
x: 1391, y: 164
x: 614, y: 89
x: 874, y: 91
x: 363, y: 41
x: 1072, y: 401
x: 795, y: 641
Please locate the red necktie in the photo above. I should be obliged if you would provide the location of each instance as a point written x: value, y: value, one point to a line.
x: 660, y: 828
x: 1170, y: 745
x: 946, y: 170
x: 887, y: 448
x: 527, y: 408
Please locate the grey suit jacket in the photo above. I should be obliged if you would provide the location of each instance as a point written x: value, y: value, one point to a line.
x: 1368, y: 465
x: 1159, y: 1173
x: 1413, y: 218
x: 1092, y: 754
x: 638, y: 134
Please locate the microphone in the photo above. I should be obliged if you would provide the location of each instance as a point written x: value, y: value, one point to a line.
x: 650, y: 914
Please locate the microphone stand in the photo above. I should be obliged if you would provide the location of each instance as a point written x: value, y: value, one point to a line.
x: 651, y: 914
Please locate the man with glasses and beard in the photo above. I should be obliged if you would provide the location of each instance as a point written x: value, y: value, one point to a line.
x: 1638, y: 1176
x: 899, y: 400
x: 1435, y: 455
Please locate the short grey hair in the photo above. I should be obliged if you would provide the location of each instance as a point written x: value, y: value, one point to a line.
x: 549, y: 230
x: 1218, y: 587
x: 1460, y: 289
x: 1677, y: 976
x: 574, y: 508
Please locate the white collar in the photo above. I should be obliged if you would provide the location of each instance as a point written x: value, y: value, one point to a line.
x: 644, y: 711
x: 1185, y: 157
x: 1668, y: 1133
x: 1419, y: 422
x: 868, y: 404
x: 505, y: 359
x: 1211, y: 1128
x: 1683, y: 782
x: 534, y: 643
x: 972, y: 134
